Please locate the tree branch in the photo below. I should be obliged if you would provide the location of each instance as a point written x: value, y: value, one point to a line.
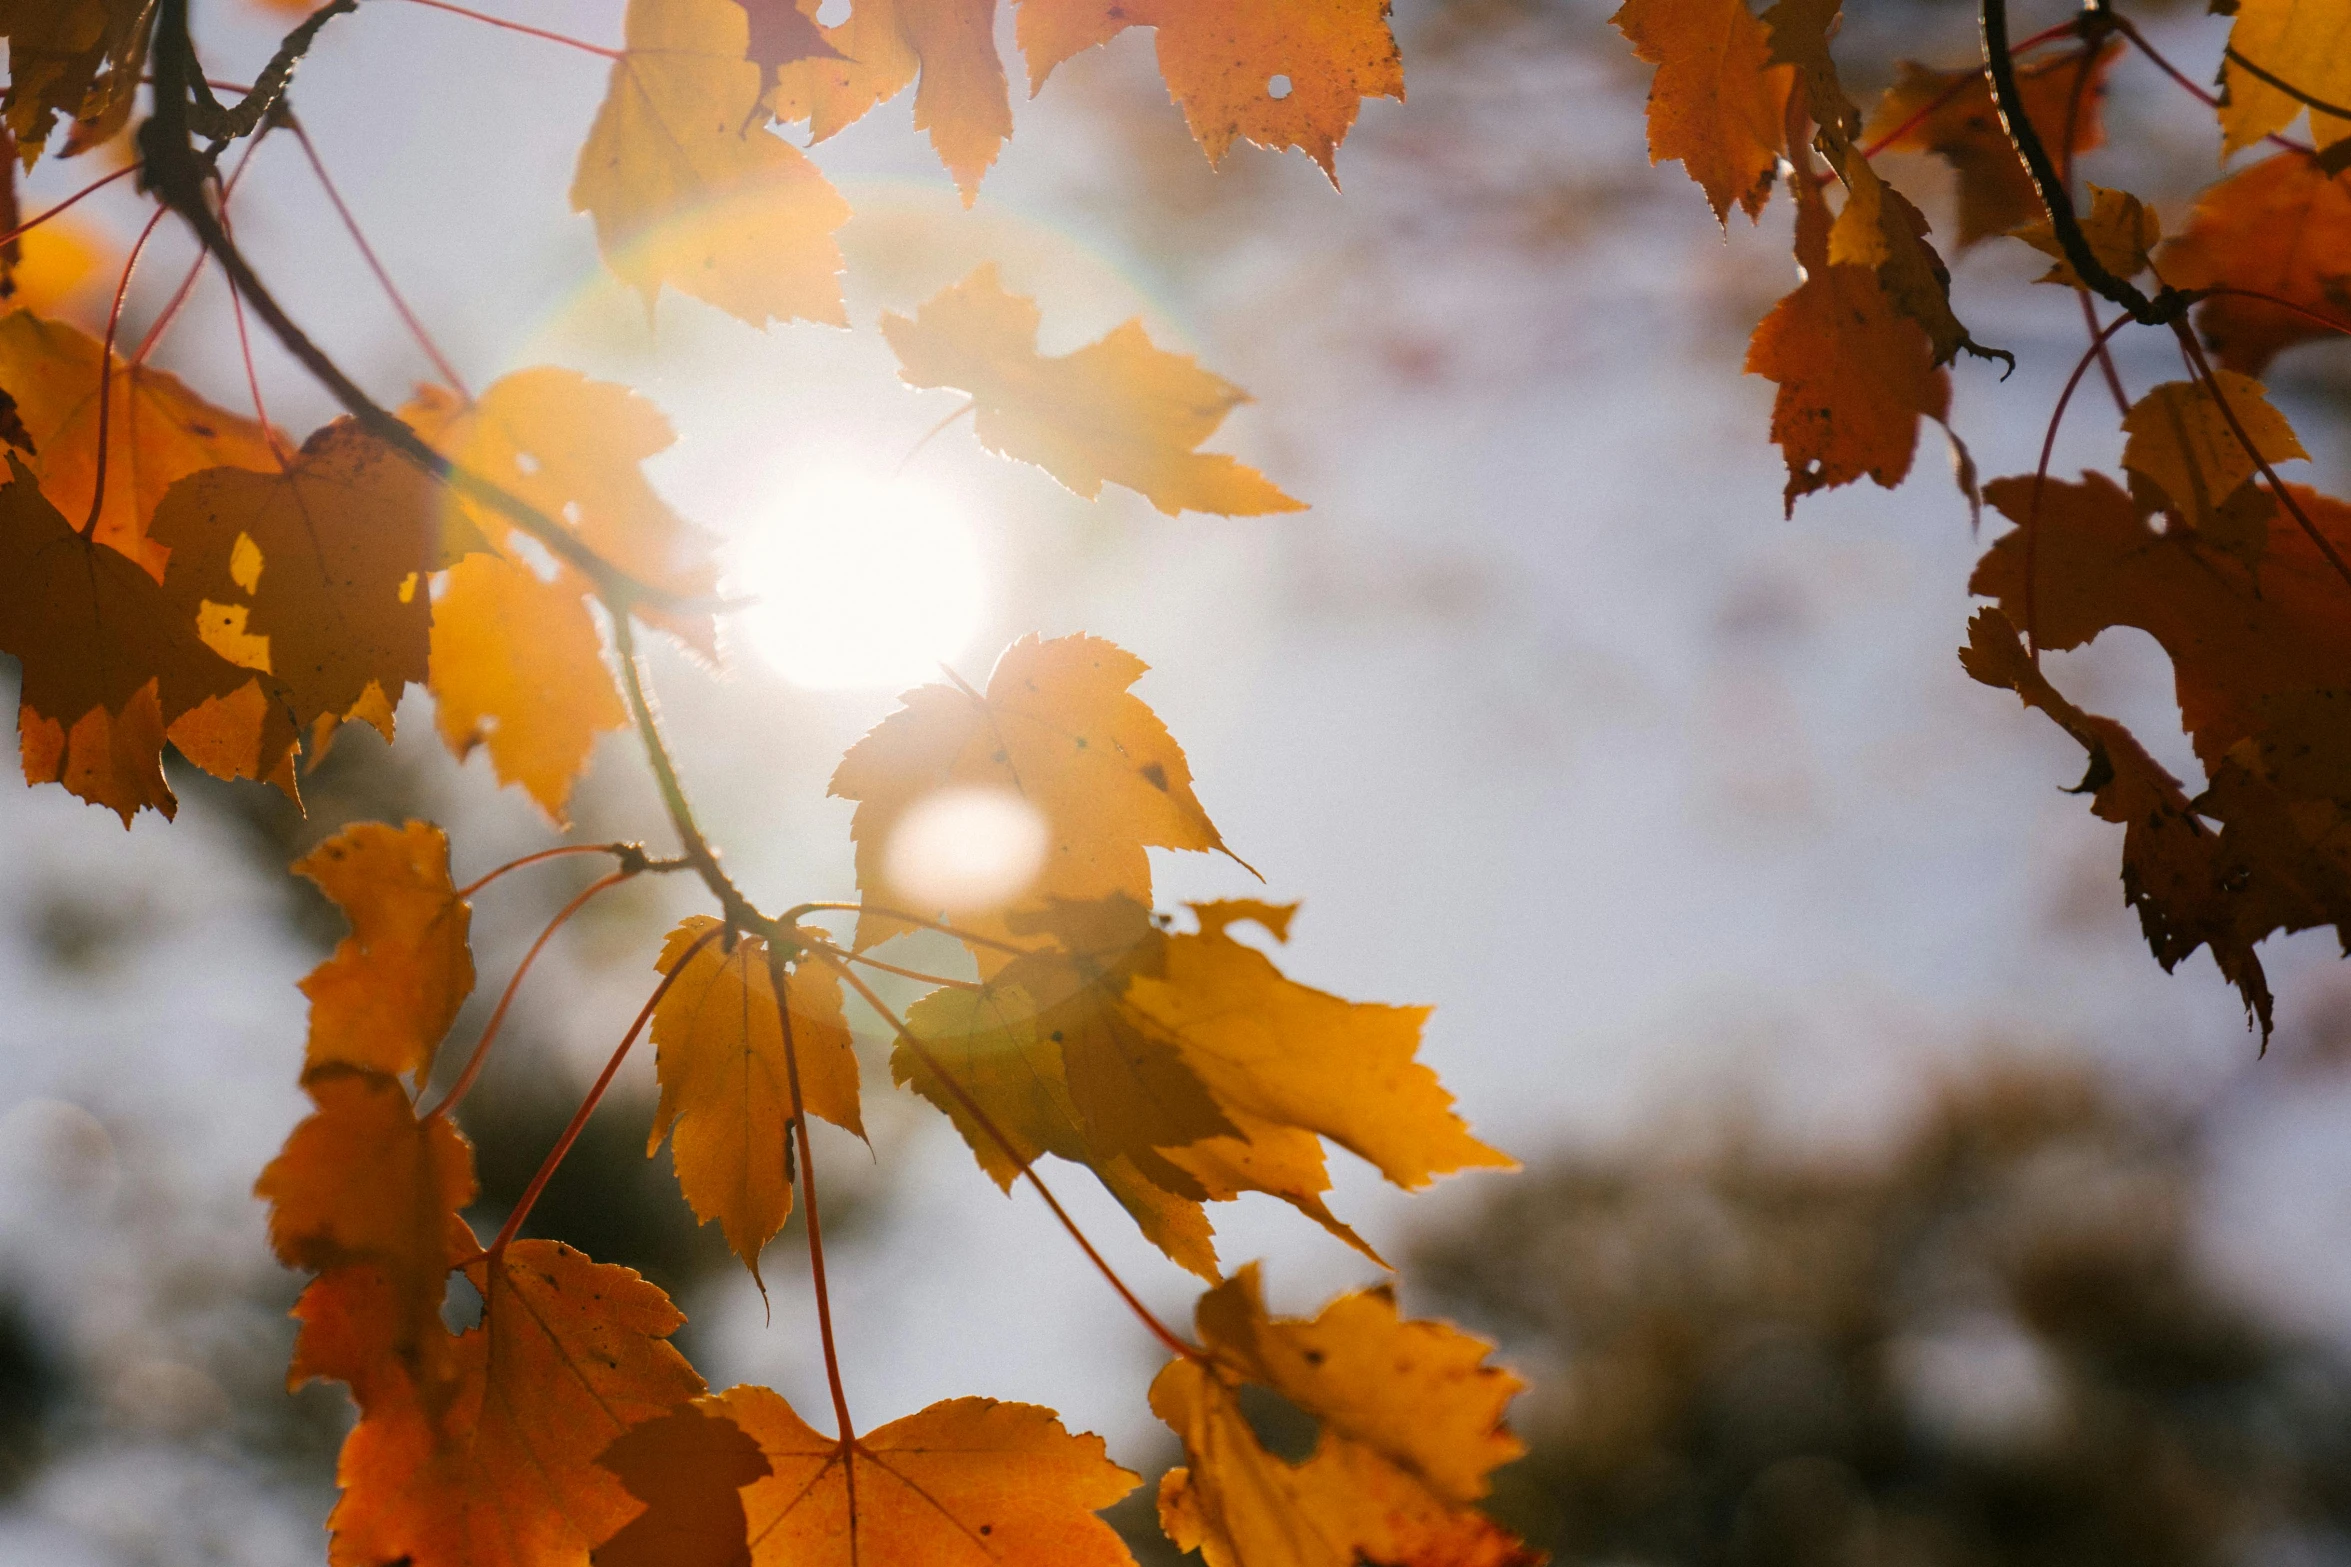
x: 207, y: 116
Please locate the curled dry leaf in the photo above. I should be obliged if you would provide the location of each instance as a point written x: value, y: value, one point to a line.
x: 1951, y: 114
x: 1182, y: 1069
x: 1717, y: 103
x: 1057, y: 726
x: 393, y: 986
x: 158, y: 432
x: 1279, y: 73
x: 496, y: 1468
x: 726, y: 1100
x: 947, y: 48
x: 968, y: 1480
x: 1118, y: 411
x: 2280, y: 227
x: 79, y: 59
x: 689, y: 188
x: 1409, y: 1426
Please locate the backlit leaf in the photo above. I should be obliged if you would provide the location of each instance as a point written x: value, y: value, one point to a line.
x: 1717, y: 103
x: 1118, y: 410
x: 725, y: 1098
x: 2120, y: 230
x: 968, y: 1480
x: 1057, y: 726
x: 394, y: 985
x: 2280, y: 227
x: 2306, y: 43
x: 946, y: 47
x: 79, y: 59
x: 1408, y: 1422
x: 689, y: 1469
x: 1279, y: 73
x: 2181, y: 440
x: 689, y: 188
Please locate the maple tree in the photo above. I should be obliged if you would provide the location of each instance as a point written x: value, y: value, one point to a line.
x: 2242, y: 578
x: 175, y: 574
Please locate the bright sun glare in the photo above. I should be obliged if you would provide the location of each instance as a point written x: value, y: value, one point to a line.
x: 859, y: 580
x: 967, y: 851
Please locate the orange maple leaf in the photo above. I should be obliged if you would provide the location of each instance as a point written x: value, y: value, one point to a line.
x: 1951, y: 114
x: 2280, y: 227
x: 1279, y: 73
x: 1716, y: 103
x: 725, y: 1097
x: 966, y: 1480
x: 689, y: 1469
x: 688, y: 187
x: 1183, y: 1069
x: 1057, y: 726
x: 1119, y: 410
x: 498, y: 1468
x: 108, y: 663
x: 393, y: 986
x: 946, y: 47
x: 1408, y: 1420
x: 158, y: 432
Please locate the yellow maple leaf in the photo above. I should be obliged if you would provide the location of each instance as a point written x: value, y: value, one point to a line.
x: 725, y: 1097
x: 2181, y: 440
x: 2304, y: 44
x: 393, y: 986
x: 518, y: 666
x: 158, y: 432
x: 689, y: 188
x: 1118, y: 410
x: 1279, y: 73
x: 1057, y: 726
x: 967, y: 1479
x: 1408, y: 1428
x: 2120, y: 230
x: 949, y: 45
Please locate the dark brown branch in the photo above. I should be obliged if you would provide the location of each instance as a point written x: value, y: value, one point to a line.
x: 2050, y: 186
x: 209, y: 117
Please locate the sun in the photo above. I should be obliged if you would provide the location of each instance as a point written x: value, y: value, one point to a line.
x: 859, y: 580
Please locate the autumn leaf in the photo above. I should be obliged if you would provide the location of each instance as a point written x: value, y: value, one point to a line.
x: 689, y: 1469
x: 107, y: 663
x: 1409, y: 1426
x: 2280, y: 227
x: 2181, y: 441
x: 77, y: 58
x: 2303, y: 43
x: 573, y: 448
x: 966, y: 1480
x: 314, y: 576
x: 1855, y: 376
x: 499, y: 1469
x: 1059, y: 727
x: 689, y: 188
x: 1279, y: 73
x: 1951, y: 114
x: 946, y: 47
x: 158, y: 431
x: 2191, y: 885
x: 1119, y: 410
x: 2120, y: 230
x: 1183, y: 1069
x: 364, y: 1183
x: 517, y: 666
x: 782, y: 33
x: 1716, y: 104
x: 725, y: 1094
x: 393, y: 986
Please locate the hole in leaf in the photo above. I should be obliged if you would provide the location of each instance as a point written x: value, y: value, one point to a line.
x: 1281, y: 1427
x: 832, y: 13
x: 1277, y: 87
x: 461, y: 1308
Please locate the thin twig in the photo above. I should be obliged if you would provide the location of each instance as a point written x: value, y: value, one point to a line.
x: 780, y: 979
x: 579, y: 1119
x: 481, y: 1049
x: 2032, y: 512
x: 179, y: 296
x: 1159, y: 1330
x: 122, y: 291
x: 792, y: 916
x: 520, y: 27
x: 902, y: 973
x: 39, y: 218
x: 632, y: 857
x: 2155, y: 57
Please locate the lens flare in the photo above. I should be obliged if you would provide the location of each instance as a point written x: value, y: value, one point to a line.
x: 967, y: 851
x: 859, y: 580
